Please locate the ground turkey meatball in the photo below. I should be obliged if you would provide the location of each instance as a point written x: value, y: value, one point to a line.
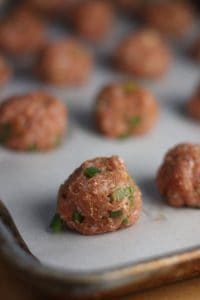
x: 21, y: 33
x: 178, y: 179
x: 143, y: 54
x: 100, y: 196
x: 173, y: 18
x: 93, y: 19
x: 5, y: 70
x: 195, y: 50
x: 30, y: 122
x: 193, y: 106
x: 64, y: 62
x: 125, y: 109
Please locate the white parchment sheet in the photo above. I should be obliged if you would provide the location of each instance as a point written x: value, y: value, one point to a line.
x: 29, y: 182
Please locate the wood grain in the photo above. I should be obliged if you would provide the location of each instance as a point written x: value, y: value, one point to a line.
x: 12, y: 288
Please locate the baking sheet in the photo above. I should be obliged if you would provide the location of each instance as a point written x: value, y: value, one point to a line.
x: 29, y: 182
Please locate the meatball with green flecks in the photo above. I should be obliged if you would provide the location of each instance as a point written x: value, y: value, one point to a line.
x: 99, y: 197
x: 34, y: 121
x: 193, y: 105
x: 125, y: 109
x: 5, y: 70
x: 178, y: 179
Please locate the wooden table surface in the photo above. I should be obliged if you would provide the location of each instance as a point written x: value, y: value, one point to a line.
x: 12, y: 288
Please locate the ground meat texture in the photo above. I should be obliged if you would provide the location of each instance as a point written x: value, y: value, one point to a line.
x: 173, y: 18
x: 195, y: 50
x: 125, y: 109
x: 93, y: 19
x: 5, y: 70
x: 64, y: 62
x: 178, y: 179
x: 30, y: 122
x: 143, y: 54
x: 193, y: 105
x: 21, y: 33
x: 100, y: 196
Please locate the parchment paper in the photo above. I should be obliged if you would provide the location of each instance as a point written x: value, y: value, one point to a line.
x: 29, y: 182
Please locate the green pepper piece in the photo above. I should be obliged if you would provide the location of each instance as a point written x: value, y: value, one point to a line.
x: 57, y: 224
x: 91, y: 172
x: 5, y: 132
x: 125, y: 221
x: 130, y: 87
x: 32, y: 148
x: 77, y: 217
x: 135, y: 121
x: 121, y: 193
x: 116, y: 213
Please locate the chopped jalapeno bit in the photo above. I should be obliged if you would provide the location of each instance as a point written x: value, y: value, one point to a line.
x: 91, y: 172
x: 123, y: 136
x: 57, y: 224
x: 125, y: 221
x: 77, y: 217
x: 58, y: 140
x: 135, y: 121
x: 130, y: 87
x: 116, y: 213
x: 121, y: 193
x: 32, y: 148
x: 5, y: 132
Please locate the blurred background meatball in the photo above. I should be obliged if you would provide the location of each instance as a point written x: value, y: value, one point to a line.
x: 125, y: 109
x: 99, y: 197
x: 5, y: 70
x: 178, y: 178
x: 193, y: 105
x: 31, y: 122
x: 21, y: 32
x: 173, y: 18
x: 143, y: 53
x: 93, y: 19
x: 64, y: 62
x: 195, y: 50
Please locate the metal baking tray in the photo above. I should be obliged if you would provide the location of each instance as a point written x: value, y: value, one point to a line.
x: 162, y: 247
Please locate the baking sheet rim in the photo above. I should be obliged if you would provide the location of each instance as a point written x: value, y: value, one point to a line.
x: 144, y: 274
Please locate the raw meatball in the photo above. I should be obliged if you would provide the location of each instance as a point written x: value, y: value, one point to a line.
x: 143, y: 54
x: 173, y: 18
x: 125, y: 109
x: 64, y: 62
x: 178, y: 179
x: 30, y: 122
x: 93, y: 19
x: 100, y: 196
x: 21, y: 33
x: 193, y: 106
x: 195, y: 50
x: 5, y: 70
